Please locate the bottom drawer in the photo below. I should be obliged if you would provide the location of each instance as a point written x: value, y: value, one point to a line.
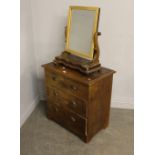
x: 55, y: 113
x: 74, y: 122
x: 67, y: 119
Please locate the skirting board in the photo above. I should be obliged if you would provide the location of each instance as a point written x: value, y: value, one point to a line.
x: 28, y: 111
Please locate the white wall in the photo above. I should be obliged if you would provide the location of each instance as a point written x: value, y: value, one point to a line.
x: 116, y: 43
x: 29, y: 87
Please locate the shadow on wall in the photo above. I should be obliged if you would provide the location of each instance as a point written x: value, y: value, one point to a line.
x: 42, y: 90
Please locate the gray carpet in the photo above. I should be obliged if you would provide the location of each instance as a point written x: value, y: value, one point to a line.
x: 40, y: 136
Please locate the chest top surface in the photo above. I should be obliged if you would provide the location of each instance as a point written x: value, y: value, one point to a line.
x: 77, y: 76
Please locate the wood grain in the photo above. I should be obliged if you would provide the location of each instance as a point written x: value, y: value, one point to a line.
x: 78, y: 102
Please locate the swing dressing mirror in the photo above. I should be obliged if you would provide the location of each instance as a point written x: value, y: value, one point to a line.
x: 81, y: 40
x: 81, y: 28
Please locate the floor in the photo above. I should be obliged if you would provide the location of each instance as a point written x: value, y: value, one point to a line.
x: 40, y: 136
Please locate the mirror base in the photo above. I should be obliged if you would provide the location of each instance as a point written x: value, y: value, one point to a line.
x: 78, y: 63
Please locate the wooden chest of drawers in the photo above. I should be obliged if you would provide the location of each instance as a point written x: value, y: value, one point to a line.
x: 80, y: 103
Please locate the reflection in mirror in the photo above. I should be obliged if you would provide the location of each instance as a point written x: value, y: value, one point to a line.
x: 81, y: 29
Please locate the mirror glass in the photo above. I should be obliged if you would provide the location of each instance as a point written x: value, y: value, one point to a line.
x: 82, y: 26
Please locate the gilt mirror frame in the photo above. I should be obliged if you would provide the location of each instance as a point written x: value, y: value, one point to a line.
x: 84, y: 54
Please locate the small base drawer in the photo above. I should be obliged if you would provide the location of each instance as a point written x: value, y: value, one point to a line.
x: 67, y: 119
x: 56, y: 113
x: 75, y: 123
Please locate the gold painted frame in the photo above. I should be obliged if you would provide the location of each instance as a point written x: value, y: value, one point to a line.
x: 90, y: 55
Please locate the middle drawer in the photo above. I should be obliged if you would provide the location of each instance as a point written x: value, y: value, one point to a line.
x: 68, y: 101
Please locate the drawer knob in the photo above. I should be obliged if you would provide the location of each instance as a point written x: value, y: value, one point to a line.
x: 74, y: 87
x: 73, y: 119
x: 55, y: 93
x: 74, y: 103
x: 56, y: 109
x: 64, y: 71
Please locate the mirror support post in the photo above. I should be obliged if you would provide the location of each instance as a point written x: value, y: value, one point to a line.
x: 96, y: 47
x: 65, y: 34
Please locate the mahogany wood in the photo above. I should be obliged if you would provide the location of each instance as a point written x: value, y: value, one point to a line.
x: 78, y: 102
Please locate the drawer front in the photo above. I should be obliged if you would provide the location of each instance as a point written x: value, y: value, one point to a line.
x: 68, y: 85
x: 55, y: 113
x: 75, y: 123
x: 60, y: 98
x: 67, y: 119
x: 53, y: 79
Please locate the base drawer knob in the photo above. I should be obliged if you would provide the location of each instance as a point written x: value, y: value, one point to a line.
x: 74, y: 87
x: 56, y: 109
x: 74, y: 103
x: 55, y: 93
x: 73, y: 119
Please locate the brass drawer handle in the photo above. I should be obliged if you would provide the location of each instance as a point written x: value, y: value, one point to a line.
x: 73, y: 87
x: 55, y: 93
x: 56, y: 109
x: 74, y: 103
x: 73, y: 119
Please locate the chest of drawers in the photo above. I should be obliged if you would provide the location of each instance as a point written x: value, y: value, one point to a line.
x: 78, y: 102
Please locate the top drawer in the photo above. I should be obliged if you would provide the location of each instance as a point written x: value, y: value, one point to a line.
x: 68, y: 85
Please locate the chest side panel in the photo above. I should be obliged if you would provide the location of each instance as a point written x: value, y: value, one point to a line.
x: 99, y: 105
